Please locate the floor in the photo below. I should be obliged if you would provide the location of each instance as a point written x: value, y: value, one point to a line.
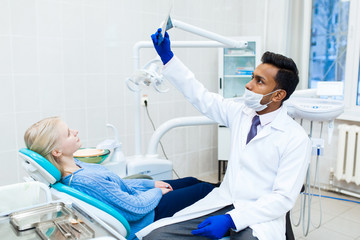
x: 340, y: 219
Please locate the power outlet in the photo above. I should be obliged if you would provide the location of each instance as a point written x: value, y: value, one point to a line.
x: 143, y: 99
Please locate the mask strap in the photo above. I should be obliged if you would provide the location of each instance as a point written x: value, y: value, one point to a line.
x: 269, y: 94
x: 272, y: 92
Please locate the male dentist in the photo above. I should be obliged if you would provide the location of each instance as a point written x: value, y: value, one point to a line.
x: 269, y: 155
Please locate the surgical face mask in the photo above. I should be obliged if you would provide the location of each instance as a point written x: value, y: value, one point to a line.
x: 252, y: 100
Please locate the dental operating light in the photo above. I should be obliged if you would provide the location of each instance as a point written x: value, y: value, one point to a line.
x: 149, y: 75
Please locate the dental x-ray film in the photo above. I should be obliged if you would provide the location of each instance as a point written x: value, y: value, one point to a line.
x: 167, y: 24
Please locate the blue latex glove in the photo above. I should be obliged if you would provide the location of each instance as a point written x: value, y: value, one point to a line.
x: 214, y: 227
x: 162, y: 46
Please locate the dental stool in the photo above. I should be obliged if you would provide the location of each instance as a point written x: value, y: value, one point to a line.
x: 40, y: 169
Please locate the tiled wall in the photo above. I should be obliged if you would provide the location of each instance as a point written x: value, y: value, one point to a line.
x: 70, y: 58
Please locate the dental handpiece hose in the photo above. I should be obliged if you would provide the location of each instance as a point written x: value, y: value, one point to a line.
x: 308, y: 193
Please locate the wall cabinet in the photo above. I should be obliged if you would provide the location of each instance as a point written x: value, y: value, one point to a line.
x: 235, y: 71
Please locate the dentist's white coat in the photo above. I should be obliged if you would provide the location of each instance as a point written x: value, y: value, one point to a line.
x: 263, y: 178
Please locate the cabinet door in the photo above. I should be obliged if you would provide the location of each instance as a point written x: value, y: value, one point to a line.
x: 236, y: 68
x: 224, y: 143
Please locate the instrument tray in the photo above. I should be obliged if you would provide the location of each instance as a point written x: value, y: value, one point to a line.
x: 28, y: 219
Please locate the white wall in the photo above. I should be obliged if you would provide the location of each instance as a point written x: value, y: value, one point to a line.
x: 70, y: 57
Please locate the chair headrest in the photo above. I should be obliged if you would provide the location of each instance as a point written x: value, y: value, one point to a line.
x: 42, y: 164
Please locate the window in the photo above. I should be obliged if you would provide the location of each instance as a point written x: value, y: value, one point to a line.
x: 329, y: 30
x: 358, y: 88
x: 335, y: 49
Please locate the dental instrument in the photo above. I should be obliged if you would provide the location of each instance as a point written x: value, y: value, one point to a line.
x: 166, y: 25
x: 314, y: 110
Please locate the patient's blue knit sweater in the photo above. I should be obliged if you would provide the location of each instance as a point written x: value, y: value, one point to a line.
x: 135, y: 199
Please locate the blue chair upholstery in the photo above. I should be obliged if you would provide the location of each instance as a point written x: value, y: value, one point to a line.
x: 52, y: 170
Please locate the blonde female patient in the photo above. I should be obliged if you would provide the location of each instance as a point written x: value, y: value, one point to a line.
x: 140, y: 201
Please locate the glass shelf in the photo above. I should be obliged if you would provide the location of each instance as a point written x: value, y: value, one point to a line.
x: 237, y: 68
x: 238, y: 76
x: 239, y: 55
x: 235, y: 86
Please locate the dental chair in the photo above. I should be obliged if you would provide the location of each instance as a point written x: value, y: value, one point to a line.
x: 40, y: 169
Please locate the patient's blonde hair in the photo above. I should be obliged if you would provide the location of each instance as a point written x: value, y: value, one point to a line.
x: 42, y: 138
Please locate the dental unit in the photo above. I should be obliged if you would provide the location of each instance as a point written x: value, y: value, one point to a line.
x: 311, y: 105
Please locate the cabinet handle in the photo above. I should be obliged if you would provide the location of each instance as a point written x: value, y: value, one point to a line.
x: 220, y: 83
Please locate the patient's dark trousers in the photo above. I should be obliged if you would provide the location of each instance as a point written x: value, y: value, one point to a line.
x: 186, y: 192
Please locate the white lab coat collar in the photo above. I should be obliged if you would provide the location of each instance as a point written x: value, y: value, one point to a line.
x: 281, y: 119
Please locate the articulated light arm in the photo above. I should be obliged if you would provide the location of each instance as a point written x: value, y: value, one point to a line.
x: 228, y: 42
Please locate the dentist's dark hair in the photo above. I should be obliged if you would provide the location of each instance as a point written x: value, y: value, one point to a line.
x: 287, y: 78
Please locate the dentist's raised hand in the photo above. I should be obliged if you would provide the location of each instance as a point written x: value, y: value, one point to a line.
x: 163, y: 49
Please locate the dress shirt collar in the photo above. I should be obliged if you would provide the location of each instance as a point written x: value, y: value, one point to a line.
x: 269, y: 117
x: 264, y: 118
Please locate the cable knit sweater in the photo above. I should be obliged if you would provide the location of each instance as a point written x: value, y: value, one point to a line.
x: 135, y: 199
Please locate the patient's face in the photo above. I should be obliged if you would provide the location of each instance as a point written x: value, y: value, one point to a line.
x: 68, y: 141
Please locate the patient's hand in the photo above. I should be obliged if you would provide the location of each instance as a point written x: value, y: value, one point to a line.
x: 165, y: 190
x: 165, y: 187
x: 161, y: 184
